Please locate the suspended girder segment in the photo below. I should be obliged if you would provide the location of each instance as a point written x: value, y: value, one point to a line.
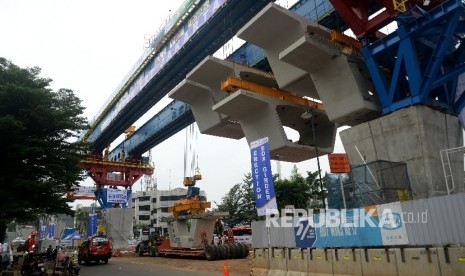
x: 310, y: 60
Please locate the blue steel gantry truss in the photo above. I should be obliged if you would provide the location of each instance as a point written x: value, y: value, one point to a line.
x: 420, y: 63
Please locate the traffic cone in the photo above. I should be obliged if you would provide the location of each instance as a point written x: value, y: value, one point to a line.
x: 225, y: 268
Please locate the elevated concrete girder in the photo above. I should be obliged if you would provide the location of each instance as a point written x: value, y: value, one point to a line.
x: 262, y: 116
x: 306, y: 62
x: 341, y: 80
x: 273, y: 29
x: 202, y: 89
x: 201, y: 100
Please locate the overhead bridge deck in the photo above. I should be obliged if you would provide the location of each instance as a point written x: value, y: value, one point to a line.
x: 175, y: 118
x: 211, y: 24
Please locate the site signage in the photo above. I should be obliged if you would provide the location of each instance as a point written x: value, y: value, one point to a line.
x: 117, y: 196
x: 43, y: 230
x: 51, y: 230
x: 262, y: 177
x: 86, y: 191
x: 379, y: 225
x: 92, y: 228
x: 339, y: 163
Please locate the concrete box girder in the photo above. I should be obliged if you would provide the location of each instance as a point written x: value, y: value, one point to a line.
x: 261, y: 116
x: 307, y: 62
x: 309, y: 54
x: 202, y: 89
x: 274, y: 29
x: 182, y: 236
x: 212, y: 71
x: 337, y: 78
x: 201, y: 99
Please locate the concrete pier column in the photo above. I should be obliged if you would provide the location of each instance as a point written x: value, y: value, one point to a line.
x: 414, y: 135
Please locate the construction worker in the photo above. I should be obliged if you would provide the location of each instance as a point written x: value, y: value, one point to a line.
x: 30, y: 242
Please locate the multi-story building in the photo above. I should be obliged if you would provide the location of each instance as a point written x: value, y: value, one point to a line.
x: 150, y: 206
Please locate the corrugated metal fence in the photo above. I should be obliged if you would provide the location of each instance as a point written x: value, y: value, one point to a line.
x: 437, y: 221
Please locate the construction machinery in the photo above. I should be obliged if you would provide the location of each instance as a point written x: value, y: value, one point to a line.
x: 191, y: 227
x: 191, y: 204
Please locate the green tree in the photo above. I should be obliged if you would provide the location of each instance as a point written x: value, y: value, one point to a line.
x: 82, y: 220
x: 248, y: 211
x: 231, y: 203
x: 318, y: 193
x: 305, y: 193
x: 293, y: 191
x: 38, y: 152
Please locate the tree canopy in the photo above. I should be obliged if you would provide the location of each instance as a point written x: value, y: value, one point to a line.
x: 240, y: 203
x: 39, y: 149
x: 301, y: 192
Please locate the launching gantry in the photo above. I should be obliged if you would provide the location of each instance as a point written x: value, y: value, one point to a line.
x: 123, y: 173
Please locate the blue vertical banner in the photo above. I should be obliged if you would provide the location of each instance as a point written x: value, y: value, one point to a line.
x: 43, y: 230
x: 92, y: 225
x: 263, y: 185
x: 51, y: 230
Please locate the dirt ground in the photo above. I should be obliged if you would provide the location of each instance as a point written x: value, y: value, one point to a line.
x: 237, y: 267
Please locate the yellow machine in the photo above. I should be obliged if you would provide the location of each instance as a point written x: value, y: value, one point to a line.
x: 192, y: 204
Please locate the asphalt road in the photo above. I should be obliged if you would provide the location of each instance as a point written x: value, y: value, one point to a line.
x: 119, y: 268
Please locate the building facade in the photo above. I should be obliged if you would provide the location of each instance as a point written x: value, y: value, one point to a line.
x: 150, y: 206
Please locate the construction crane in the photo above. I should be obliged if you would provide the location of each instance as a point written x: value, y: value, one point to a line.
x: 191, y: 204
x: 191, y: 167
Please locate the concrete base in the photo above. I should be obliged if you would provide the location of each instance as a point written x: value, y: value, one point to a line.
x: 414, y: 135
x: 118, y: 223
x: 181, y: 236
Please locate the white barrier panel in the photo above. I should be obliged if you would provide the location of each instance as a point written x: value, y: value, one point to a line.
x: 320, y: 262
x: 261, y: 262
x: 347, y: 261
x: 297, y: 262
x: 417, y: 261
x: 378, y: 262
x: 278, y: 263
x: 451, y: 260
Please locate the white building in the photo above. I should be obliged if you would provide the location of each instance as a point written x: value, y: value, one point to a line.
x: 150, y: 206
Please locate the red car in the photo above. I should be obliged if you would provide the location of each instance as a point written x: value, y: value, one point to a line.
x: 96, y: 248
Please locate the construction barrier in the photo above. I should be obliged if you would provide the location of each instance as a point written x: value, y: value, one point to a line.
x: 368, y: 262
x: 347, y: 261
x: 278, y: 263
x: 261, y: 262
x: 320, y: 262
x: 451, y: 260
x: 417, y: 261
x: 297, y: 262
x: 379, y: 262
